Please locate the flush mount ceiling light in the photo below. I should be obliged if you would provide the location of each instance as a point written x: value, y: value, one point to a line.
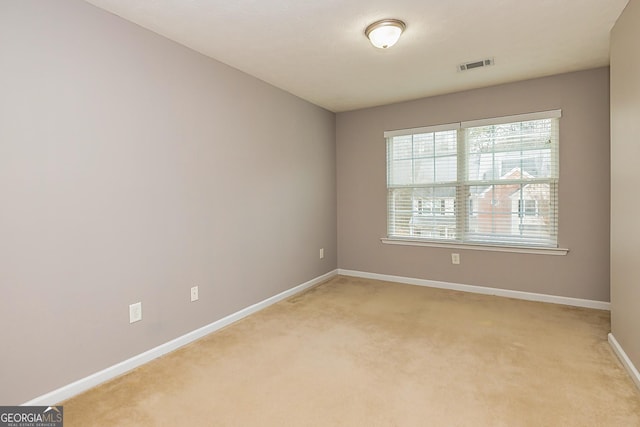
x: 385, y: 33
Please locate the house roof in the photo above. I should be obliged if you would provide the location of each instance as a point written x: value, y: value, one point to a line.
x: 514, y: 173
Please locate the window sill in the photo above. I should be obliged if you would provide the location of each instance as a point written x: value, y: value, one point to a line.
x: 475, y: 247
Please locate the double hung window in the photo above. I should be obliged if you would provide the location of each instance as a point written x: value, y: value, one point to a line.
x: 486, y: 182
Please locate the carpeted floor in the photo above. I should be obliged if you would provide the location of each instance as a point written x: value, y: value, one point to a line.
x: 356, y: 352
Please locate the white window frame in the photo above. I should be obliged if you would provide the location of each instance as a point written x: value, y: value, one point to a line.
x: 462, y: 215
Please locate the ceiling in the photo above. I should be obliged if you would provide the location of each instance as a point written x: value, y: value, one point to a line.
x: 317, y: 50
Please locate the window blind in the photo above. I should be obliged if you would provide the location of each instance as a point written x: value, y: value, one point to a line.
x: 490, y: 181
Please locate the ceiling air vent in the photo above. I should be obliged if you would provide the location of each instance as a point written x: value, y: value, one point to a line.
x: 475, y: 64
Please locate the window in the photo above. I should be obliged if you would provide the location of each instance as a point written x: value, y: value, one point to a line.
x: 491, y: 181
x: 527, y: 207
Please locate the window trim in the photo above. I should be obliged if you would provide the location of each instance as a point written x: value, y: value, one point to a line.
x: 540, y: 115
x: 424, y: 129
x: 525, y: 117
x: 475, y: 246
x: 501, y: 247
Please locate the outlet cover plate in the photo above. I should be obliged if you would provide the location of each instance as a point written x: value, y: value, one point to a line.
x: 135, y: 312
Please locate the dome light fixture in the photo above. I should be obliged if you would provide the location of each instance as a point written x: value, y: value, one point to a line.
x: 385, y: 33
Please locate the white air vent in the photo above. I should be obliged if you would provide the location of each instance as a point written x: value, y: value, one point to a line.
x: 475, y: 64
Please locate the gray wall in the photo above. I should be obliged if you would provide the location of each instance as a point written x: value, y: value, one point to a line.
x: 625, y: 176
x: 584, y: 188
x: 131, y: 169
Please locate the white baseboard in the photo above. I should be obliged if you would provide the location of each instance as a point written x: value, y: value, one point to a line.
x: 624, y: 359
x: 111, y: 372
x: 600, y: 305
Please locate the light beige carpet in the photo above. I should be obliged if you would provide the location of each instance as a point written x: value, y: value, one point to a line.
x: 355, y: 352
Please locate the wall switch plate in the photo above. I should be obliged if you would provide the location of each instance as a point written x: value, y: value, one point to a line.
x: 321, y: 253
x: 135, y: 312
x: 194, y: 294
x: 455, y: 258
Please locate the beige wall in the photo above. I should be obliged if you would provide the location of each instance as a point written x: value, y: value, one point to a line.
x: 625, y: 176
x: 584, y: 188
x: 131, y: 169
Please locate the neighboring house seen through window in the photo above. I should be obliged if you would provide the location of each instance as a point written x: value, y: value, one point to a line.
x: 491, y: 181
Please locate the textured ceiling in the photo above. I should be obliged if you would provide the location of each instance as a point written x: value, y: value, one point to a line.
x: 317, y: 49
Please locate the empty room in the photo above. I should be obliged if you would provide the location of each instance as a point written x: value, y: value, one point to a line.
x: 279, y: 213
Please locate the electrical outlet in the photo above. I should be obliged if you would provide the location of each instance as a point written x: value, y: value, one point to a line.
x: 194, y: 294
x: 455, y: 258
x: 321, y: 253
x: 135, y: 312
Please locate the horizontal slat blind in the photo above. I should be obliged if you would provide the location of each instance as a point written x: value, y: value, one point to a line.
x: 512, y: 178
x: 491, y: 184
x: 422, y: 178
